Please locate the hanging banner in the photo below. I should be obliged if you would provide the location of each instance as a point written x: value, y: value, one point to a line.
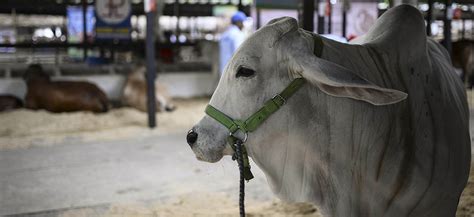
x: 113, y: 19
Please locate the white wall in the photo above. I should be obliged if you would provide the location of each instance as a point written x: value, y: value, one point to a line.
x: 15, y: 87
x: 186, y: 85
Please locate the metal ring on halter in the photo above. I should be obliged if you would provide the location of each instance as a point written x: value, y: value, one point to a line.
x: 245, y: 137
x: 281, y: 98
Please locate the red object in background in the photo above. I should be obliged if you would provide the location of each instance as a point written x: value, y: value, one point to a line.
x: 351, y: 37
x: 327, y: 9
x: 150, y: 6
x: 457, y: 13
x: 166, y: 54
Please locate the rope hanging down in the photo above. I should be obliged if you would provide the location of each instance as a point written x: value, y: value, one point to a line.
x: 240, y: 160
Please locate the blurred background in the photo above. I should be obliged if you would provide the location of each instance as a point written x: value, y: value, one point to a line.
x: 78, y: 135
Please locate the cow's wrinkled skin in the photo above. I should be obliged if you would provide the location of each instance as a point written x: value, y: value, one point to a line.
x: 381, y: 128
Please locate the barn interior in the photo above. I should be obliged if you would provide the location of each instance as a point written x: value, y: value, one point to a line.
x: 130, y: 158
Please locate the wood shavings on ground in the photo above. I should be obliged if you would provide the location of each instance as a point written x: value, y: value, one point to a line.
x: 24, y: 128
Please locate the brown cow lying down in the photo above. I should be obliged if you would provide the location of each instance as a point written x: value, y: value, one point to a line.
x: 9, y: 102
x: 61, y: 96
x: 134, y: 93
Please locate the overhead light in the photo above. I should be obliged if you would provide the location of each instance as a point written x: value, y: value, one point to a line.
x: 182, y: 38
x: 424, y: 7
x: 382, y: 5
x: 173, y: 38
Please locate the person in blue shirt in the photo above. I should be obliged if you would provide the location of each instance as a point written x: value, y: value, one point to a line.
x: 231, y: 39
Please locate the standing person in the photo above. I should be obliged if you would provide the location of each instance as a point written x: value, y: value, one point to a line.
x: 231, y: 39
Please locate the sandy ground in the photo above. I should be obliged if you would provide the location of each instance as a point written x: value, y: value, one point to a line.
x: 196, y: 205
x: 223, y: 205
x: 24, y: 129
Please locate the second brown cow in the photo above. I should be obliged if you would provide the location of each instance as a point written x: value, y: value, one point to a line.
x: 134, y: 93
x: 61, y: 96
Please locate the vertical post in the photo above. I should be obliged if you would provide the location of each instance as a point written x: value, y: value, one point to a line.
x: 84, y: 28
x: 429, y: 16
x: 320, y: 19
x: 259, y: 19
x: 176, y: 13
x: 15, y: 26
x: 240, y: 6
x: 346, y: 5
x: 344, y: 23
x: 448, y: 16
x: 321, y: 23
x: 308, y: 15
x: 329, y: 17
x: 150, y: 63
x: 463, y: 31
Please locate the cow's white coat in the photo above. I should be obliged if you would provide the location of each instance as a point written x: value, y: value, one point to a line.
x: 381, y: 129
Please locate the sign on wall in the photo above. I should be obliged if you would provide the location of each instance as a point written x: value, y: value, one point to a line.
x: 113, y: 19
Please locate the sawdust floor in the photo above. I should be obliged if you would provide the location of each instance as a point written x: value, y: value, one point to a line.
x: 222, y: 205
x: 24, y: 128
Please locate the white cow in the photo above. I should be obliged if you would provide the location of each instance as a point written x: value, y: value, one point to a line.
x: 379, y: 129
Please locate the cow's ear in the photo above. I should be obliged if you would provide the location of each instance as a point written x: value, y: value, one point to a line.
x: 338, y: 81
x: 279, y: 27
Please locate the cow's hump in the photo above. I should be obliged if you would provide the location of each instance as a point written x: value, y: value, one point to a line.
x: 399, y: 30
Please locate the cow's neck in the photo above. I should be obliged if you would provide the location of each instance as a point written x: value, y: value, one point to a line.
x: 320, y: 153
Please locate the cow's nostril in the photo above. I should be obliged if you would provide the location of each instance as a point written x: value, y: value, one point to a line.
x: 191, y: 137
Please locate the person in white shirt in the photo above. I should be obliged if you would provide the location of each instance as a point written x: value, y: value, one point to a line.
x: 231, y: 39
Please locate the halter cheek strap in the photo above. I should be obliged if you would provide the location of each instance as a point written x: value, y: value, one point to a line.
x: 255, y: 120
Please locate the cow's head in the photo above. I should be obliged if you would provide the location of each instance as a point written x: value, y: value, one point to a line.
x: 263, y: 66
x: 35, y: 72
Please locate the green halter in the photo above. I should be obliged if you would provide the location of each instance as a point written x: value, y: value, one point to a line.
x: 255, y: 120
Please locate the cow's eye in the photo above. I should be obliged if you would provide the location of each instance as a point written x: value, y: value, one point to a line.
x: 244, y: 72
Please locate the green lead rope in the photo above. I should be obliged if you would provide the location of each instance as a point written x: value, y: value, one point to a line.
x: 255, y: 120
